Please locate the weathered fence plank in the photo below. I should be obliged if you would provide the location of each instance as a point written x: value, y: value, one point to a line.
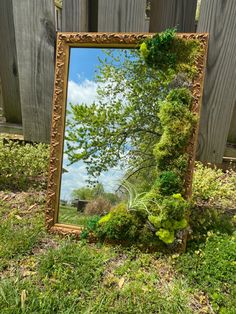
x: 75, y: 16
x: 2, y: 119
x: 8, y: 64
x: 232, y: 129
x: 35, y: 41
x: 173, y: 13
x: 218, y: 18
x: 121, y: 15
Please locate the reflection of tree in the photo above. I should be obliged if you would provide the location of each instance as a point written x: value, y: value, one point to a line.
x: 122, y: 126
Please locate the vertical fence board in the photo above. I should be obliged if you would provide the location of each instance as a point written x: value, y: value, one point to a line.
x: 218, y: 18
x: 121, y: 15
x: 75, y: 16
x: 232, y: 129
x: 2, y: 119
x: 173, y: 13
x: 8, y: 64
x: 35, y: 42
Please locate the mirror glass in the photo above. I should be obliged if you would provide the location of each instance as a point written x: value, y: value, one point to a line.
x: 112, y: 124
x: 97, y: 150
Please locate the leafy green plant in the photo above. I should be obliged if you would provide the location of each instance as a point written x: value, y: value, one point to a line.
x: 23, y: 166
x: 214, y: 187
x: 212, y: 268
x: 213, y: 201
x: 209, y: 219
x: 136, y: 201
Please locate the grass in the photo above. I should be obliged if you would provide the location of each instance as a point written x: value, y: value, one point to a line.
x: 70, y: 215
x: 42, y: 273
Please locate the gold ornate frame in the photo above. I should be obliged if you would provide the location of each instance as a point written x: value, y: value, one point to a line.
x: 112, y: 40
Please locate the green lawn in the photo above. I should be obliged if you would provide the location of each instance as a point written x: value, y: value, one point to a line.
x: 42, y: 273
x: 70, y: 215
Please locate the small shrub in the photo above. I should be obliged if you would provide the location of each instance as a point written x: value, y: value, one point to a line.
x: 99, y: 206
x: 23, y: 166
x: 214, y: 187
x: 205, y: 220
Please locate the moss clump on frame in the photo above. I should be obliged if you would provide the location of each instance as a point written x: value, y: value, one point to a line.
x: 163, y: 213
x: 165, y: 51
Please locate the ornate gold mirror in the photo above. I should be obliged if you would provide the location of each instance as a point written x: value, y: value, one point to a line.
x: 124, y: 130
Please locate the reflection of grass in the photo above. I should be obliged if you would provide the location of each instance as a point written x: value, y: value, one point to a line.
x: 70, y: 215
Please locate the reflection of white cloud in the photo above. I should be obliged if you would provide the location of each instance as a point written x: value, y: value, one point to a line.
x: 85, y: 92
x: 77, y: 175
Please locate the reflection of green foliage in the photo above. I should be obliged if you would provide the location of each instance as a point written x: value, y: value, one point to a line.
x: 70, y: 215
x: 123, y: 125
x: 84, y: 193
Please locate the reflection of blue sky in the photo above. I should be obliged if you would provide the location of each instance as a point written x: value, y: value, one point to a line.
x: 83, y: 62
x: 82, y: 88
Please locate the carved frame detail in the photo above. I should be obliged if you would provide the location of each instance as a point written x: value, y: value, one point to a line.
x: 113, y: 40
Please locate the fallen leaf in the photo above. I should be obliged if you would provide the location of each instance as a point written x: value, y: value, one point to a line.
x: 27, y: 273
x: 121, y: 282
x: 23, y: 298
x: 32, y: 206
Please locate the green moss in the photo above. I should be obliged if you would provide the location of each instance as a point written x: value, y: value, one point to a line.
x: 177, y: 122
x: 156, y: 221
x: 119, y: 224
x: 174, y: 207
x: 105, y: 218
x: 166, y: 51
x: 170, y: 57
x: 167, y: 236
x: 168, y: 183
x: 157, y: 50
x: 181, y: 224
x: 180, y: 95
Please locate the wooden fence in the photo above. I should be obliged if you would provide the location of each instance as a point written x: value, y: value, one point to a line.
x: 27, y: 58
